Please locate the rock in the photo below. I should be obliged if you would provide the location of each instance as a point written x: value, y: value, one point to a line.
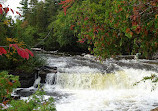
x: 25, y: 92
x: 156, y: 109
x: 44, y: 70
x: 137, y: 65
x: 26, y: 79
x: 15, y: 97
x: 36, y: 49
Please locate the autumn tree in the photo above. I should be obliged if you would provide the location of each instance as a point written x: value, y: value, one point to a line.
x: 115, y: 27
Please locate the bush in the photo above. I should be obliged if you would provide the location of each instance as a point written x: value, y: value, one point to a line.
x: 7, y: 84
x: 35, y: 102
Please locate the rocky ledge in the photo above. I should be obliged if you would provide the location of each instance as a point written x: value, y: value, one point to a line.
x: 27, y: 79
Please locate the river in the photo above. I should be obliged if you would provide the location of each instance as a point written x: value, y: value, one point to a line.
x: 83, y: 84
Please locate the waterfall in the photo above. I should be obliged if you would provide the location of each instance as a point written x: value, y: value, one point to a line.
x: 124, y: 79
x: 37, y: 82
x: 84, y: 85
x: 96, y: 81
x: 51, y: 78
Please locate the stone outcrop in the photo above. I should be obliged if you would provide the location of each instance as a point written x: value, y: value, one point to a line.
x: 27, y: 79
x: 43, y: 71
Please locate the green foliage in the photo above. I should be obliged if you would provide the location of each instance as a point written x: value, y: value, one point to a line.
x: 115, y: 27
x: 28, y: 66
x: 153, y: 78
x: 34, y: 28
x: 18, y: 64
x: 64, y: 33
x: 15, y: 63
x: 7, y: 84
x: 36, y: 102
x: 25, y: 32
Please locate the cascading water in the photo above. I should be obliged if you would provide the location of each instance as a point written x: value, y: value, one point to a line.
x: 91, y: 86
x: 51, y: 78
x: 37, y: 82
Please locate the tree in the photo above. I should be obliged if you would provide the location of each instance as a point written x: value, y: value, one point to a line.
x: 24, y: 53
x: 115, y: 27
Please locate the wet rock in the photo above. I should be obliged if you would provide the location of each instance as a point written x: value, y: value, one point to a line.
x: 25, y: 92
x: 137, y: 65
x: 26, y: 79
x: 44, y: 70
x: 15, y: 97
x: 156, y: 109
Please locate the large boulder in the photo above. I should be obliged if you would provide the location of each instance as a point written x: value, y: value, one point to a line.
x: 44, y: 70
x: 26, y: 79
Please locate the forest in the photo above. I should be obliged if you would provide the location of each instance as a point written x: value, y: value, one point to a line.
x: 103, y: 28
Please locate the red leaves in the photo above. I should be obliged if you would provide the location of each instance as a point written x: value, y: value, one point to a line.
x: 12, y: 11
x: 18, y: 13
x: 6, y: 10
x: 86, y: 18
x: 66, y: 4
x: 27, y: 50
x: 1, y: 11
x: 24, y: 53
x: 2, y: 51
x: 82, y: 41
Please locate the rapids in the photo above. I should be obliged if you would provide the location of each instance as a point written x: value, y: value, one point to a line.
x: 86, y: 85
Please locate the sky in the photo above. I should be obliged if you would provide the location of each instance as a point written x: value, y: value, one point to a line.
x: 13, y: 4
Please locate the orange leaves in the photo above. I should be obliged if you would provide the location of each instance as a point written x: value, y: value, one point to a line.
x: 138, y: 29
x: 2, y: 51
x: 10, y: 83
x: 72, y: 27
x: 153, y: 2
x: 120, y: 9
x: 5, y: 102
x: 128, y: 31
